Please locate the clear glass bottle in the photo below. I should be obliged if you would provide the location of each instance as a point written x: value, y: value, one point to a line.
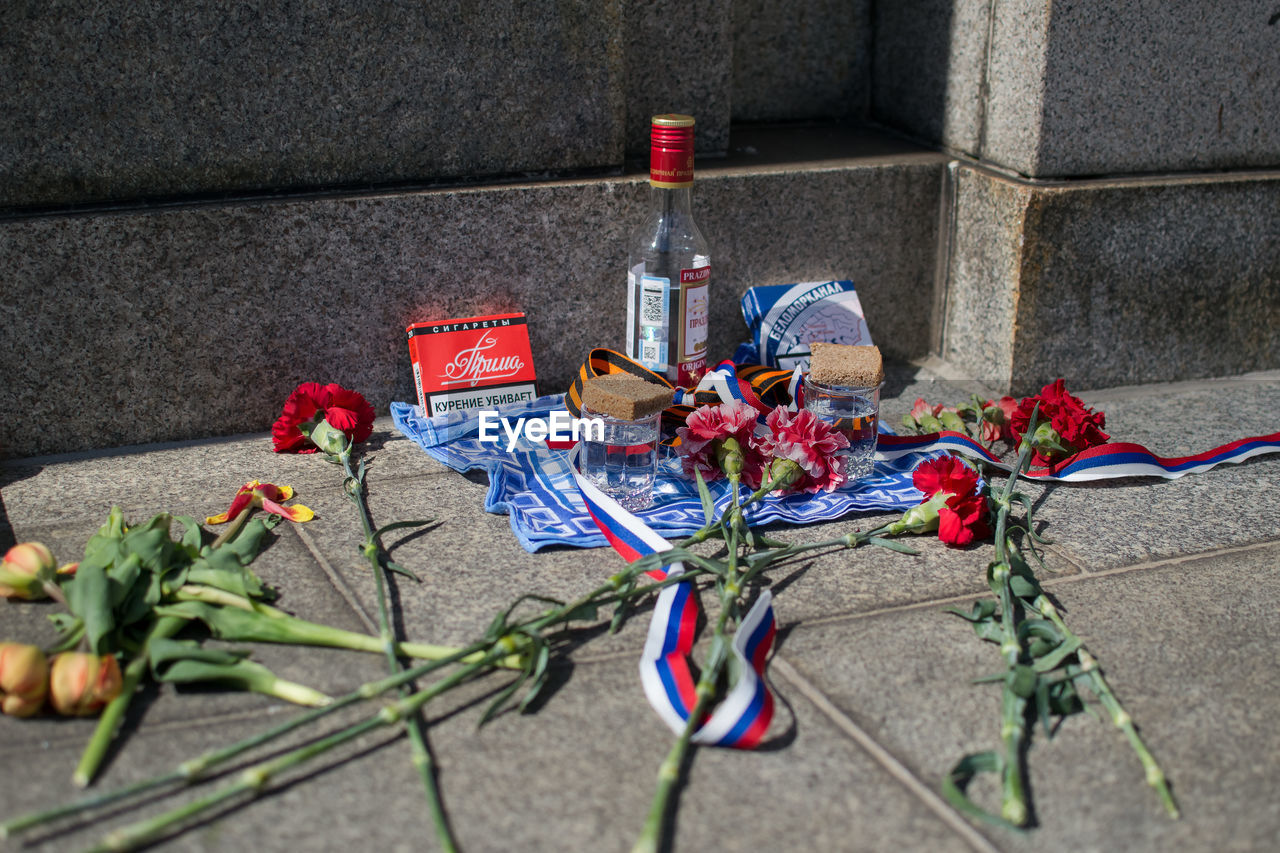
x: 669, y: 264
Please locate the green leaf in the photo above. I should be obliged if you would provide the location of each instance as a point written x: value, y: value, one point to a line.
x: 501, y: 699
x: 539, y: 677
x: 398, y: 525
x: 151, y: 542
x: 708, y: 505
x: 620, y: 614
x: 89, y: 598
x: 393, y: 566
x: 1023, y: 586
x: 122, y: 576
x: 893, y: 545
x: 981, y: 610
x: 223, y: 569
x: 232, y: 623
x: 162, y: 651
x: 192, y: 535
x: 1040, y: 628
x: 586, y: 612
x: 956, y: 783
x: 1054, y: 659
x: 1022, y: 681
x: 185, y: 662
x: 246, y: 544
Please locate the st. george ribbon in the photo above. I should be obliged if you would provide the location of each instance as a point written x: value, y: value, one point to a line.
x: 743, y: 716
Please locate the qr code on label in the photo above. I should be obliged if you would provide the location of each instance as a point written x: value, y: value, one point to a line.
x: 650, y: 352
x: 651, y: 307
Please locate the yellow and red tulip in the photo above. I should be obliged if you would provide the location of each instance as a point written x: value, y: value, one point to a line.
x: 24, y: 679
x: 264, y: 496
x: 26, y: 570
x: 81, y: 684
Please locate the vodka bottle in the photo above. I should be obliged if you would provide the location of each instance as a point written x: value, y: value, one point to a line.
x: 668, y: 264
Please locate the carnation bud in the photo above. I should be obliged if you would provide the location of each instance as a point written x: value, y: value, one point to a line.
x: 26, y: 570
x: 922, y: 518
x: 81, y: 684
x: 328, y: 438
x: 784, y: 473
x: 24, y: 679
x: 729, y: 456
x: 952, y: 421
x: 1048, y: 443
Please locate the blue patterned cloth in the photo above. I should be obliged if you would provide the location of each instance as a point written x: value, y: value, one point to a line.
x: 534, y: 485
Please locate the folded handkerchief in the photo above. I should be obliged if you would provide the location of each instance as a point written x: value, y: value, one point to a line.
x: 533, y: 484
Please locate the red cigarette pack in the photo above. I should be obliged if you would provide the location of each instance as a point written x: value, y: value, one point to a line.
x: 471, y: 363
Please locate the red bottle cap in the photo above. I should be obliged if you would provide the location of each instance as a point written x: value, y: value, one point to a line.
x: 671, y: 151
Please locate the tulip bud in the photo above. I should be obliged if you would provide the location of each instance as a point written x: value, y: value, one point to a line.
x: 81, y: 684
x: 24, y: 679
x: 26, y: 570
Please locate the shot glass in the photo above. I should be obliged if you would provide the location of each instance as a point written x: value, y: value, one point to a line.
x: 623, y: 461
x: 854, y: 413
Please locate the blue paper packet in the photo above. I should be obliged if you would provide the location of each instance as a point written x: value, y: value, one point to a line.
x: 785, y: 318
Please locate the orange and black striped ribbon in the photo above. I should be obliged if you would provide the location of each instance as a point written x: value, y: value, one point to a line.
x: 767, y: 383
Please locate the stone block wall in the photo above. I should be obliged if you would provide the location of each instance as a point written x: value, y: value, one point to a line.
x: 1112, y: 214
x: 202, y: 205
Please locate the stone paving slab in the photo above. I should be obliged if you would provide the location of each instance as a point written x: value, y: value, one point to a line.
x: 1115, y: 523
x: 576, y: 775
x: 861, y: 631
x: 1187, y: 648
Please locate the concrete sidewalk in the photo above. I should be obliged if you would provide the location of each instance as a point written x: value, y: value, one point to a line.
x: 1174, y: 585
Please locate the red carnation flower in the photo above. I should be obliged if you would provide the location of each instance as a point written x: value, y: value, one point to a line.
x: 702, y: 441
x: 344, y: 409
x: 964, y: 515
x: 811, y: 446
x: 1068, y: 425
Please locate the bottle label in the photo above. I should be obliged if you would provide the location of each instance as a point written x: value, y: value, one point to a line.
x: 667, y: 324
x: 648, y: 329
x: 695, y: 310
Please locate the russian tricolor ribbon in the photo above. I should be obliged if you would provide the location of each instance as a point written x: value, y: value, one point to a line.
x: 741, y: 719
x: 1103, y: 462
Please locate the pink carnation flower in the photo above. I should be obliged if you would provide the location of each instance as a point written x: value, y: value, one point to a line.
x: 811, y: 443
x: 704, y: 432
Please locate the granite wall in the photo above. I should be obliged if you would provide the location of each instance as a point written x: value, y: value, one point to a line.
x: 1112, y: 282
x: 1075, y: 89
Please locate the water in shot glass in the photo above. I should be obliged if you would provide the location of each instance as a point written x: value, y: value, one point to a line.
x: 623, y: 465
x: 853, y: 412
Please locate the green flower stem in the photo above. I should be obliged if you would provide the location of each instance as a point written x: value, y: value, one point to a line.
x: 109, y: 720
x: 1013, y: 807
x: 233, y: 527
x: 420, y: 753
x: 669, y: 771
x: 253, y: 781
x: 1154, y: 775
x: 192, y: 770
x: 301, y: 631
x: 1088, y: 674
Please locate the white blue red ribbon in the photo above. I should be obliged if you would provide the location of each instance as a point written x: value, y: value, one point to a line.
x: 741, y: 719
x: 1106, y: 461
